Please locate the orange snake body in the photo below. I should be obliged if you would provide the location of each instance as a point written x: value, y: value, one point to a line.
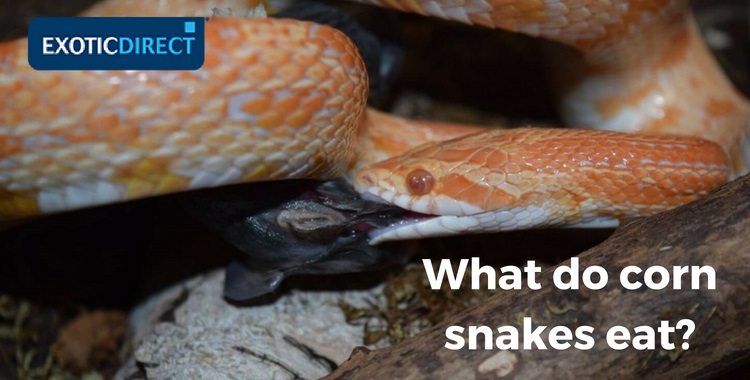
x: 281, y: 99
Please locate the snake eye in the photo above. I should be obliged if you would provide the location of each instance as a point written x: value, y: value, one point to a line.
x: 419, y: 182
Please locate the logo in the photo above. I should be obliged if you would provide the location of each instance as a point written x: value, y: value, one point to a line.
x: 116, y: 43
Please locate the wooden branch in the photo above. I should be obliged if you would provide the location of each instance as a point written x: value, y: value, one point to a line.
x: 714, y: 231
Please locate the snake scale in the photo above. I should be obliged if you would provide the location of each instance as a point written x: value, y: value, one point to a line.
x: 659, y: 124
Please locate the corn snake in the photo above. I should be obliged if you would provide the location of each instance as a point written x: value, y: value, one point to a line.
x: 292, y: 105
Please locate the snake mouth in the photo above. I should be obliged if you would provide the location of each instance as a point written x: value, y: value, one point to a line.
x: 416, y: 225
x: 404, y: 229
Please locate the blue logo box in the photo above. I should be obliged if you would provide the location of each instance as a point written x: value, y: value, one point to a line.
x: 117, y: 43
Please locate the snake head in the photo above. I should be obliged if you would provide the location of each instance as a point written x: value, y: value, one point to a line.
x: 462, y: 185
x: 524, y: 178
x: 424, y: 180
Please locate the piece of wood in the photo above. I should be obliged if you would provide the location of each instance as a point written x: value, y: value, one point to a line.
x: 190, y: 331
x: 714, y: 231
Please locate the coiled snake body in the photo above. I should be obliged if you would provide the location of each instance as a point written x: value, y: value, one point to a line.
x: 279, y: 99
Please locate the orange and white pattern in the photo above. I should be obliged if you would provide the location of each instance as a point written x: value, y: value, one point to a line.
x: 286, y: 105
x: 280, y: 99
